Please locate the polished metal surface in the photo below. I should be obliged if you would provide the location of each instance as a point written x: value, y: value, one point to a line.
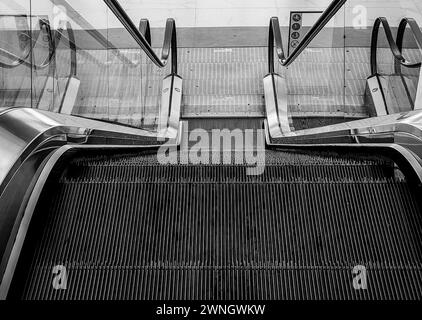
x: 4, y: 109
x: 280, y: 86
x: 48, y: 99
x: 403, y: 129
x: 23, y: 130
x: 275, y: 92
x: 271, y: 106
x: 175, y: 107
x: 10, y: 260
x: 70, y: 95
x: 165, y: 105
x: 418, y: 99
x: 171, y: 100
x: 375, y: 99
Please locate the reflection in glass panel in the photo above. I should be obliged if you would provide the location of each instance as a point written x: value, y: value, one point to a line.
x: 83, y: 61
x: 45, y: 93
x: 125, y: 71
x: 110, y: 67
x: 15, y: 47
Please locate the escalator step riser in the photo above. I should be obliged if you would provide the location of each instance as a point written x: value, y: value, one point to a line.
x: 227, y: 173
x: 230, y: 284
x: 202, y: 241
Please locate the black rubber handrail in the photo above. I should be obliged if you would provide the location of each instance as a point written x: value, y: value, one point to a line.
x: 17, y: 61
x: 395, y: 46
x: 274, y: 34
x: 145, y: 30
x: 168, y: 46
x: 170, y: 39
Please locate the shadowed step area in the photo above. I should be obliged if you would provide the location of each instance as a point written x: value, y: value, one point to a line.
x: 128, y: 227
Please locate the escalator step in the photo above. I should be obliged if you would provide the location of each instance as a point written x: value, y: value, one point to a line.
x: 131, y: 231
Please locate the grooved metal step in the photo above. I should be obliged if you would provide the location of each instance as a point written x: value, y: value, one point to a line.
x: 126, y: 227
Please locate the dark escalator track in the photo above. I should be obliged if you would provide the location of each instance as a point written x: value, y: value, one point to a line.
x: 127, y: 227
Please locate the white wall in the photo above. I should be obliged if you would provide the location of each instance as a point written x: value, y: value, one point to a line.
x: 217, y: 13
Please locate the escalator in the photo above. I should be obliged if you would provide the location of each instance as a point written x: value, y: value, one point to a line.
x: 19, y: 49
x: 223, y: 201
x: 128, y: 227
